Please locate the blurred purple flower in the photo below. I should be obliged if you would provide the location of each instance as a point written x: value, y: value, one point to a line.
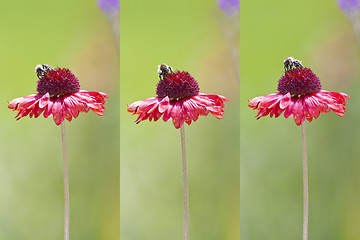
x: 230, y: 7
x: 350, y: 7
x: 109, y: 7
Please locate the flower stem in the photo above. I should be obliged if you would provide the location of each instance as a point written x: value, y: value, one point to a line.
x: 305, y: 185
x: 185, y: 185
x: 66, y: 185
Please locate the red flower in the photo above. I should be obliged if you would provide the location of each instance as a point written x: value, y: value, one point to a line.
x: 59, y: 95
x: 178, y: 98
x: 300, y: 96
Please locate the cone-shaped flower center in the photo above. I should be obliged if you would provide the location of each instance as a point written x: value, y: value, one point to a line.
x: 60, y: 81
x: 299, y: 81
x: 177, y: 85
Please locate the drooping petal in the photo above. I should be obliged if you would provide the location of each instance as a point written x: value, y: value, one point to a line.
x: 163, y: 105
x: 266, y: 104
x: 298, y: 111
x: 177, y: 114
x: 44, y: 100
x: 147, y: 109
x: 167, y: 112
x: 72, y: 105
x: 190, y: 108
x: 210, y: 103
x: 138, y: 107
x: 58, y: 116
x: 48, y: 109
x: 23, y: 102
x: 264, y: 101
x: 285, y: 101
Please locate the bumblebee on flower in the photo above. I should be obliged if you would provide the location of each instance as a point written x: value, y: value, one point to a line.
x: 178, y: 98
x: 299, y: 95
x: 59, y: 95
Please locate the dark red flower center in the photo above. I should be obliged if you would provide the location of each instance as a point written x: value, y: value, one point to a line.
x: 177, y: 85
x: 299, y: 81
x: 60, y: 81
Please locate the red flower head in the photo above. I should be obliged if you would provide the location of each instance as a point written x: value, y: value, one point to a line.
x: 58, y: 95
x: 178, y: 98
x: 299, y: 95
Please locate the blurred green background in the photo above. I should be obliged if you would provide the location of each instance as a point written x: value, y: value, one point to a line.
x: 73, y: 34
x: 187, y: 35
x: 320, y: 35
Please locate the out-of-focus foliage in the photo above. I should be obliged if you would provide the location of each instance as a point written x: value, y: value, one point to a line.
x: 187, y: 35
x: 317, y: 33
x: 73, y: 34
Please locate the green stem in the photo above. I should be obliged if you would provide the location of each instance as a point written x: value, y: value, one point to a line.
x: 305, y: 185
x: 185, y: 185
x: 66, y: 185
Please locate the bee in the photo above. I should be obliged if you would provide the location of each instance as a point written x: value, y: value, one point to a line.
x: 42, y: 69
x: 291, y: 62
x: 164, y: 69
